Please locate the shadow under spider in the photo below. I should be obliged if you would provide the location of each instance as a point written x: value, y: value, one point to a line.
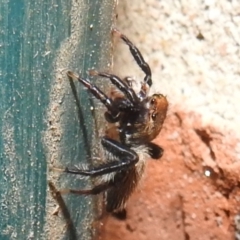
x: 80, y: 113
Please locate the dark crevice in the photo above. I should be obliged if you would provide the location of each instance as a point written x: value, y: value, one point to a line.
x: 227, y: 212
x: 129, y: 228
x: 183, y: 215
x: 200, y: 36
x: 187, y: 236
x: 206, y: 139
x: 179, y: 118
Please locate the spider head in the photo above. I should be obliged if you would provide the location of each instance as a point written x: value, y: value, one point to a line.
x: 157, y: 110
x: 144, y: 125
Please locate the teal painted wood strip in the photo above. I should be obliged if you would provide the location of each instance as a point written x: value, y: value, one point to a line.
x: 39, y: 42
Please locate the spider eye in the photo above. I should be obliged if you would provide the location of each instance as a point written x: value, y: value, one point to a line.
x: 153, y: 100
x: 154, y: 116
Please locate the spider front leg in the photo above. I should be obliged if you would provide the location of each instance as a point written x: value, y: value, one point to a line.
x: 140, y: 61
x: 120, y: 84
x: 112, y: 111
x: 113, y: 107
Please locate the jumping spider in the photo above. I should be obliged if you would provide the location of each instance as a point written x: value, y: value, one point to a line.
x: 136, y: 119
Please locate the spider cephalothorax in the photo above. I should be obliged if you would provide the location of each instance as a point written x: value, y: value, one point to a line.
x: 136, y: 118
x: 144, y: 123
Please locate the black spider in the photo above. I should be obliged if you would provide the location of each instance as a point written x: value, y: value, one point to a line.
x: 136, y: 119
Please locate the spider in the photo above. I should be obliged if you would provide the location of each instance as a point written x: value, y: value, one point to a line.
x: 137, y: 119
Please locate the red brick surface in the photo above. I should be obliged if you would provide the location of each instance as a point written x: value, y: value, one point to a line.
x: 176, y: 200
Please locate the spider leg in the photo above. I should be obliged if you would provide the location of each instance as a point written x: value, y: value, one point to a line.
x: 125, y: 156
x: 121, y: 85
x: 140, y: 61
x: 154, y: 150
x: 114, y: 107
x: 113, y: 112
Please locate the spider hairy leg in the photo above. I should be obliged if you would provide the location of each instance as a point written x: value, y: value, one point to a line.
x: 125, y: 156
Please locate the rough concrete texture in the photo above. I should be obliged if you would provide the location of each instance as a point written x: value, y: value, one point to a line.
x: 193, y: 49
